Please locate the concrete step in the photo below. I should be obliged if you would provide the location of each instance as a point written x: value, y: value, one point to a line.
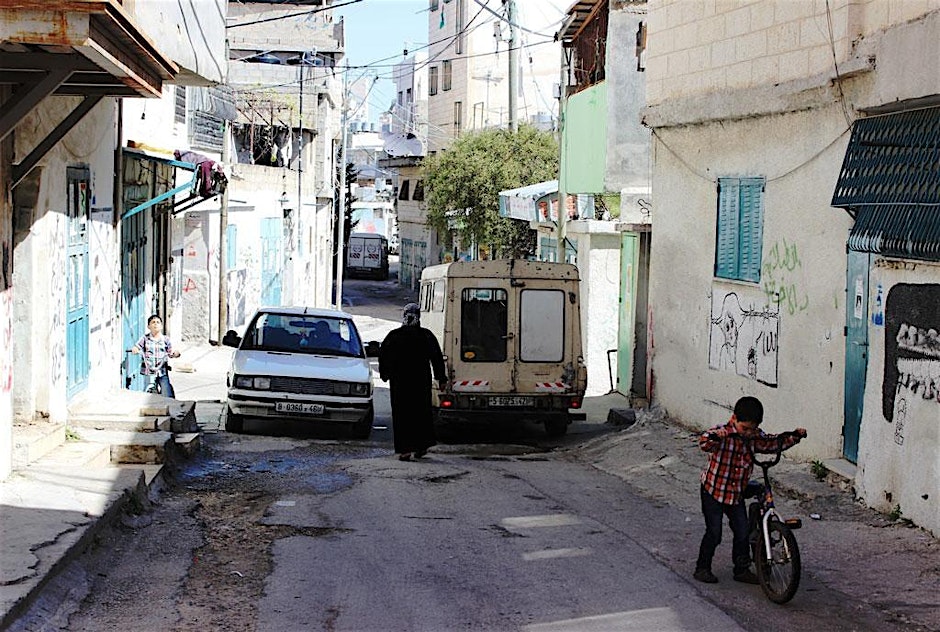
x: 119, y: 422
x: 130, y: 446
x: 77, y: 454
x: 33, y: 441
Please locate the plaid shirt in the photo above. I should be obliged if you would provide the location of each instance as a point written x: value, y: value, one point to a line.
x: 731, y: 460
x: 155, y: 354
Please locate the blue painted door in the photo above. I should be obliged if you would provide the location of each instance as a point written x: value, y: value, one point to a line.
x: 134, y: 293
x: 76, y: 314
x: 271, y: 261
x: 856, y: 350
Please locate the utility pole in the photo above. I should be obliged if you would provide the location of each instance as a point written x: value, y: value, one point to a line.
x: 513, y: 63
x: 341, y: 196
x: 223, y: 243
x: 300, y: 172
x: 562, y: 193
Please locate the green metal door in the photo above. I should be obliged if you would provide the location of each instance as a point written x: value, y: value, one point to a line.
x: 626, y: 335
x: 77, y: 328
x: 856, y: 350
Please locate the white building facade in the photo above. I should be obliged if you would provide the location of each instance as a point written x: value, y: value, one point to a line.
x: 758, y: 286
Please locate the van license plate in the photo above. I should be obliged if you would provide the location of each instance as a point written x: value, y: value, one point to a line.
x: 511, y: 401
x: 296, y: 407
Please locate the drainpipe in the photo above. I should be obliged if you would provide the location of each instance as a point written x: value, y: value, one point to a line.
x: 562, y: 193
x: 223, y: 243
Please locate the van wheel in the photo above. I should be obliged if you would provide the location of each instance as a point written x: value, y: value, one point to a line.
x: 556, y: 426
x: 233, y: 423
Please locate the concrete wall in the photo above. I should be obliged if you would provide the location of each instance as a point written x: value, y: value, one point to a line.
x: 900, y: 432
x: 698, y: 47
x: 739, y: 90
x: 39, y: 259
x: 599, y: 266
x: 802, y: 281
x: 191, y: 34
x: 6, y: 305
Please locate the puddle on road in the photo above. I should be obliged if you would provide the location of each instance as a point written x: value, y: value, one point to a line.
x: 320, y: 474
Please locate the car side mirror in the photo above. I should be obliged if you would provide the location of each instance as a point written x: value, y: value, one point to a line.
x: 372, y: 349
x: 231, y: 339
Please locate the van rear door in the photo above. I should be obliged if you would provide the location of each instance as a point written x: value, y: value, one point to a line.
x: 482, y: 351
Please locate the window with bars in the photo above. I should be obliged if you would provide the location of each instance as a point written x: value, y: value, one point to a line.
x: 459, y: 27
x: 447, y: 74
x: 740, y: 228
x: 180, y: 110
x: 458, y: 117
x: 432, y: 80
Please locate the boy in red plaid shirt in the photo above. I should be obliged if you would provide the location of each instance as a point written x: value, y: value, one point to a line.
x: 730, y: 463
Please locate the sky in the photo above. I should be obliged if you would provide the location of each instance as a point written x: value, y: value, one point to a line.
x: 376, y: 29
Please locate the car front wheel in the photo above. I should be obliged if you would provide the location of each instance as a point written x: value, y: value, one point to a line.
x: 362, y: 429
x: 233, y: 422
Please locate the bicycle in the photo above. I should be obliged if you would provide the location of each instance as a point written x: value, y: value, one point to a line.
x: 153, y: 375
x: 773, y: 545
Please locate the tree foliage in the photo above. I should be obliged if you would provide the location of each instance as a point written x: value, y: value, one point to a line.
x: 463, y: 183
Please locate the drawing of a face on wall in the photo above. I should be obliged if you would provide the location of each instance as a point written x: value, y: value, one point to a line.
x: 912, y: 346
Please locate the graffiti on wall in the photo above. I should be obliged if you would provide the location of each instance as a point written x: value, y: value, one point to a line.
x: 912, y: 355
x: 782, y: 277
x: 743, y: 335
x: 57, y: 297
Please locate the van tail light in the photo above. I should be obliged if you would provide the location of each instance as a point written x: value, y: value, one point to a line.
x: 447, y: 403
x: 574, y: 403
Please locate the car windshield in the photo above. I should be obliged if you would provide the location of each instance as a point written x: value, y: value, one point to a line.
x: 320, y: 335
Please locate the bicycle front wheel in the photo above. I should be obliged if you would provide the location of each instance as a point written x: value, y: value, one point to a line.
x: 780, y: 575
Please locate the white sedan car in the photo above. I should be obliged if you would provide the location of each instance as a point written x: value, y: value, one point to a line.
x: 300, y: 363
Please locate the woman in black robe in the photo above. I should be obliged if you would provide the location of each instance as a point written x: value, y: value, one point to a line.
x: 406, y: 358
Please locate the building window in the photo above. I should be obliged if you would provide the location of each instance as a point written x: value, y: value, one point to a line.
x: 459, y: 27
x: 180, y: 109
x: 403, y: 192
x: 419, y: 191
x: 433, y: 5
x: 447, y: 74
x: 740, y: 228
x: 432, y: 80
x: 458, y: 117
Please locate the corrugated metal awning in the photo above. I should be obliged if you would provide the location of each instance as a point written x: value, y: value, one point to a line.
x: 890, y: 183
x: 897, y: 231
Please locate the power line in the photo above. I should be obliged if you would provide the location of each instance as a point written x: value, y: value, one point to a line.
x: 293, y: 15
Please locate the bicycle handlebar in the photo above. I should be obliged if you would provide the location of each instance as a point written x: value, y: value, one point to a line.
x: 777, y: 454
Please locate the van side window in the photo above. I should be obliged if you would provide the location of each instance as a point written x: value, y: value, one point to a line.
x: 437, y: 304
x: 483, y: 325
x: 425, y: 297
x: 542, y: 326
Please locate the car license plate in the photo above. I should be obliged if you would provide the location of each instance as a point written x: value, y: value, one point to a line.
x: 296, y: 407
x: 515, y: 401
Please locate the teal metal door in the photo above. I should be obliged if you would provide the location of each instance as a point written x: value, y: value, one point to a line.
x: 856, y: 350
x: 134, y: 293
x: 76, y: 315
x: 271, y: 262
x: 626, y: 335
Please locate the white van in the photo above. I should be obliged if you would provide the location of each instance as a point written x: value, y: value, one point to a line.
x: 367, y: 256
x: 510, y: 331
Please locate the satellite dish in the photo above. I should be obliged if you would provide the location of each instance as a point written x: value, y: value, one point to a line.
x: 404, y: 145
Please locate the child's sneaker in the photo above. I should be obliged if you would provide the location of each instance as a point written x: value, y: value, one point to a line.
x: 747, y: 577
x: 705, y: 575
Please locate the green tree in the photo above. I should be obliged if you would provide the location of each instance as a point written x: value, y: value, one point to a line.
x: 462, y: 185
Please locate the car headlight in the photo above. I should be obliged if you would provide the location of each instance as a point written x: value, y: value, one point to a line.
x: 360, y: 388
x: 259, y: 383
x: 341, y: 388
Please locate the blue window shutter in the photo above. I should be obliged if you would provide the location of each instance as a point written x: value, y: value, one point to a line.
x: 752, y: 224
x: 726, y: 251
